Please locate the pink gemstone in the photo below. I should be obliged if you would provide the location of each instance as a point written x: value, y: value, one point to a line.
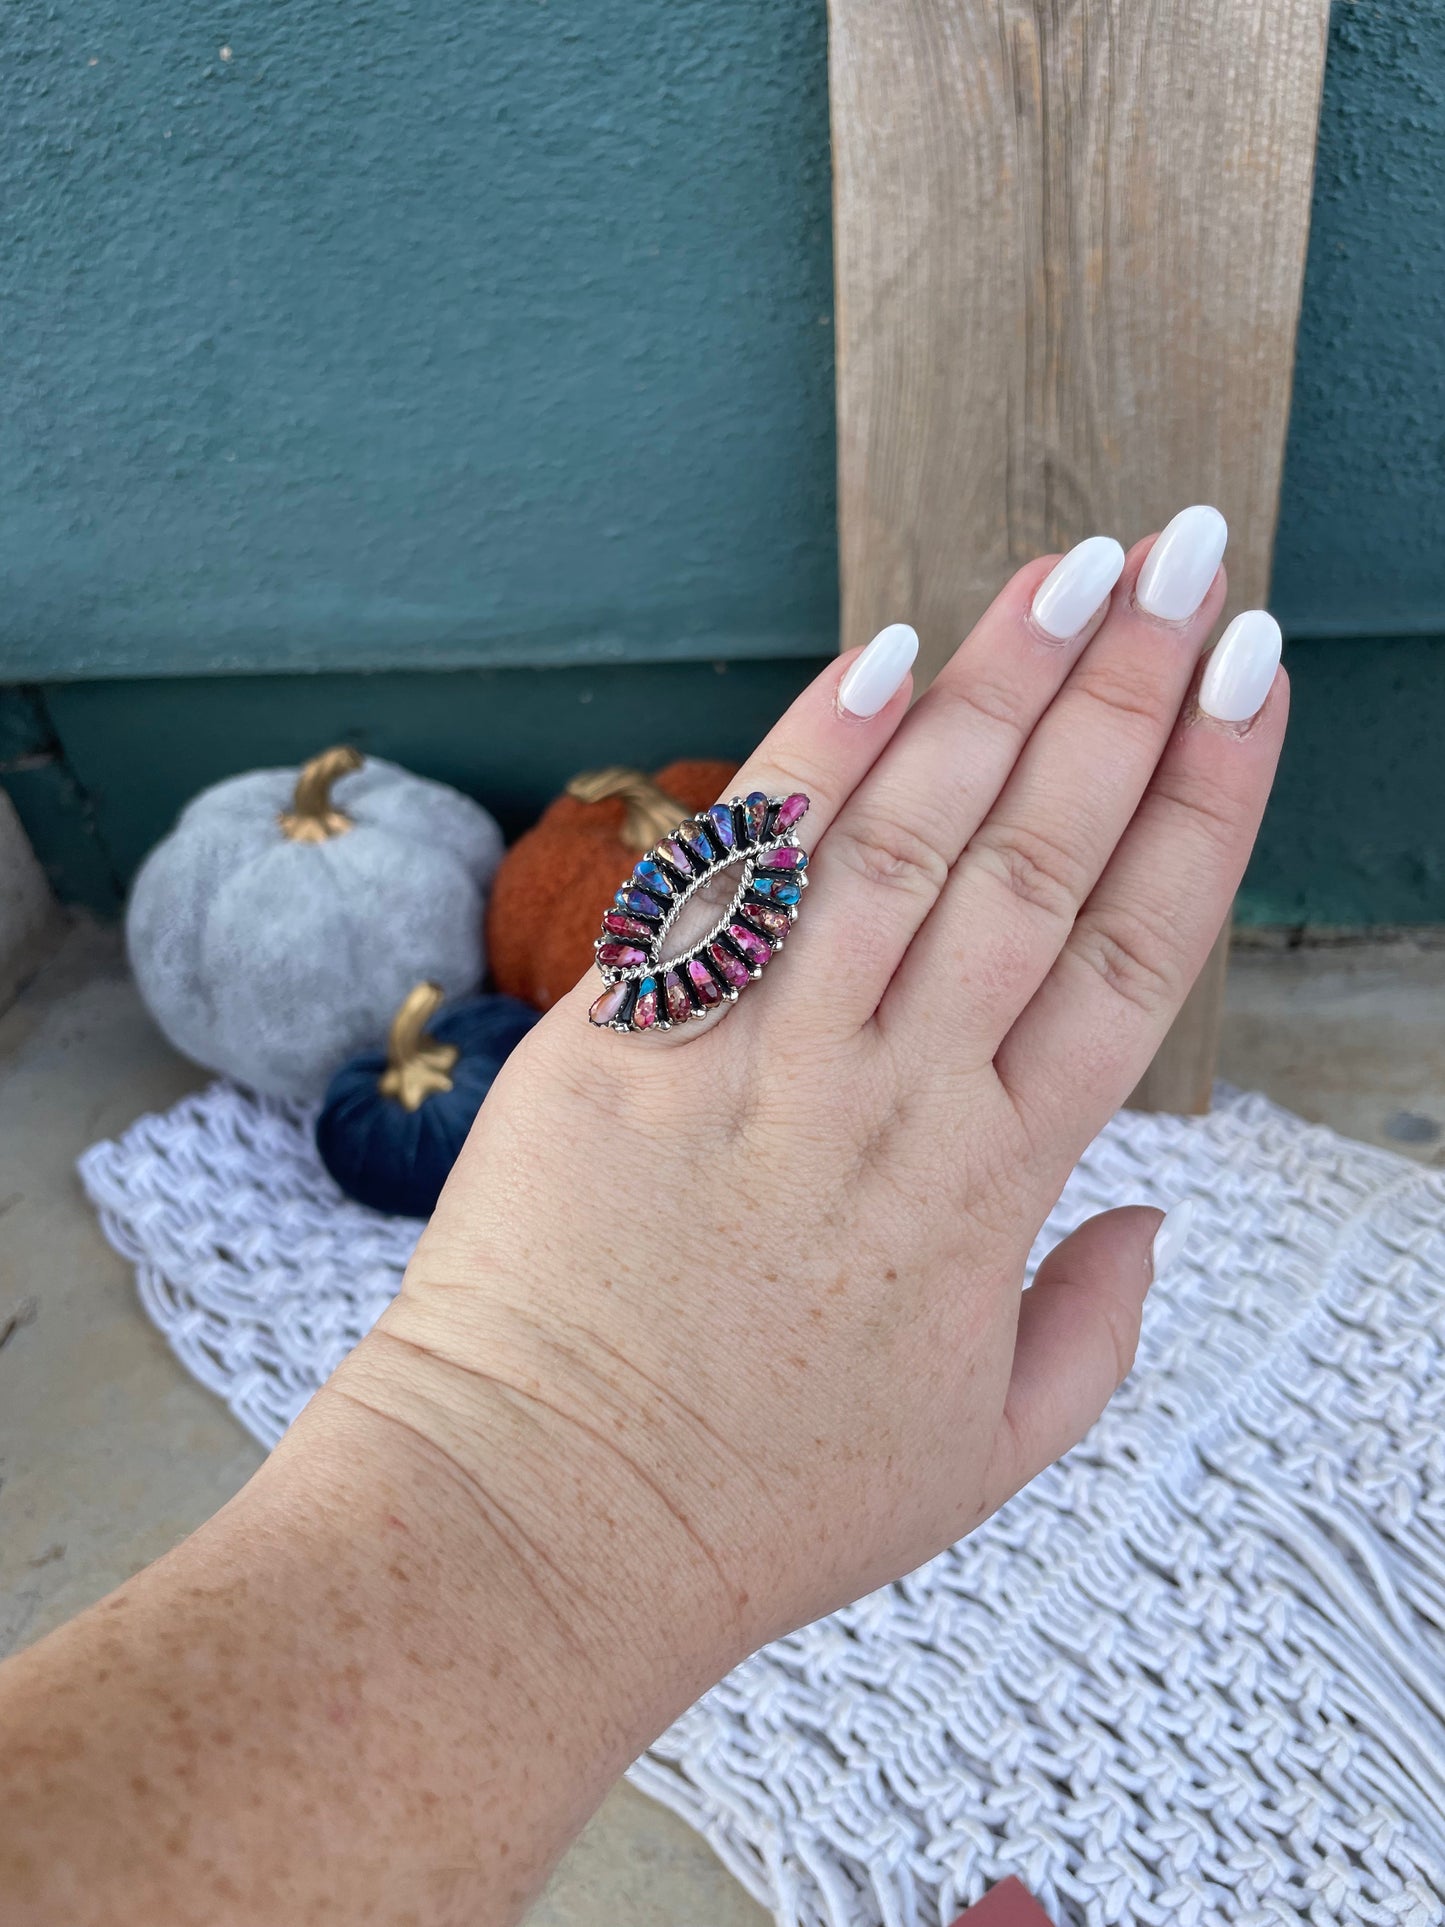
x: 608, y: 1004
x: 753, y: 948
x: 619, y: 924
x: 768, y: 917
x: 731, y: 967
x: 676, y: 854
x: 704, y: 983
x: 620, y: 956
x: 792, y: 810
x: 679, y: 1006
x: 782, y: 860
x: 644, y: 1014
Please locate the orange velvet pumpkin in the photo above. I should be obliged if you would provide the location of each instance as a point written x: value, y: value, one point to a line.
x: 547, y: 899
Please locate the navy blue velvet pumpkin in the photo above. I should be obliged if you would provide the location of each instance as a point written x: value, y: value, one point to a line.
x: 394, y: 1121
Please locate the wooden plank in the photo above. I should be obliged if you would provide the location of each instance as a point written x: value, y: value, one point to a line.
x: 1181, y: 1076
x: 1069, y: 242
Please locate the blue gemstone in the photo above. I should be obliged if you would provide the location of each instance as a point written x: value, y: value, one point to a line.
x: 699, y: 843
x: 720, y: 818
x: 775, y: 889
x: 638, y: 902
x: 650, y: 877
x: 755, y: 814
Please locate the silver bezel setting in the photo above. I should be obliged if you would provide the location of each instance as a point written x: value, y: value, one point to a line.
x: 655, y: 966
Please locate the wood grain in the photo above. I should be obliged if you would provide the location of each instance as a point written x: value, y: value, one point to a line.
x: 1069, y: 240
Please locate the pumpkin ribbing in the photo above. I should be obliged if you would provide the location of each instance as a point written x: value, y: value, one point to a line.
x: 273, y: 960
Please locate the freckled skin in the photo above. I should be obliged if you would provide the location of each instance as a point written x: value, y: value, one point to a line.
x: 599, y: 1448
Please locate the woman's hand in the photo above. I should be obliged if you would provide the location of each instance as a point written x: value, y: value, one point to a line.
x: 709, y: 1336
x: 758, y: 1287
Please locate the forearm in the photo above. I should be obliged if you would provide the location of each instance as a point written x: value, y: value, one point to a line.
x: 377, y: 1680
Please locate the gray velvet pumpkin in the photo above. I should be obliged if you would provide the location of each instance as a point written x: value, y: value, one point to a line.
x: 277, y: 928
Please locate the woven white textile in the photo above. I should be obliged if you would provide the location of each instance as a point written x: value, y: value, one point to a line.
x: 1193, y: 1674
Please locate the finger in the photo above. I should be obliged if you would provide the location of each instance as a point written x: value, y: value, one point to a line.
x: 821, y: 747
x: 1077, y: 1332
x: 1015, y: 891
x: 881, y: 867
x: 1142, y: 937
x: 826, y: 743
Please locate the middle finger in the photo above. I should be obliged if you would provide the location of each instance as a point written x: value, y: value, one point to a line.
x: 881, y: 865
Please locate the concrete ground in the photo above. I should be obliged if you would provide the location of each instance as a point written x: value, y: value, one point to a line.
x: 109, y: 1452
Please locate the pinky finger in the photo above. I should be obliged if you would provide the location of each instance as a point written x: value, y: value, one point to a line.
x: 1143, y: 935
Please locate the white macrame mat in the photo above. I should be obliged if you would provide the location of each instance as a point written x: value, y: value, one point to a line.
x: 1194, y: 1674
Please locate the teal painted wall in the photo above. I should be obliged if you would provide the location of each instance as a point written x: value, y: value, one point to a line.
x: 138, y: 749
x: 1363, y: 758
x: 1359, y: 550
x: 412, y: 333
x: 499, y: 336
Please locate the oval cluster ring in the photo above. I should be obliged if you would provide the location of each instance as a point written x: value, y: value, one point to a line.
x: 645, y: 994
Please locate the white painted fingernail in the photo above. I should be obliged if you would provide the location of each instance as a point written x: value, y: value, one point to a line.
x: 1075, y: 586
x: 877, y: 675
x: 1181, y: 565
x: 1173, y: 1234
x: 1240, y: 668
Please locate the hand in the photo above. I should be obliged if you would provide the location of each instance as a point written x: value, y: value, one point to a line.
x: 728, y: 1330
x: 705, y: 1339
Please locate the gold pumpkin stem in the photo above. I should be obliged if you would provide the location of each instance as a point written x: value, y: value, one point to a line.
x: 651, y: 812
x: 417, y: 1066
x: 311, y: 818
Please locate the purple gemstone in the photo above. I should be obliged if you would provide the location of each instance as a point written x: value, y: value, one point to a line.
x: 779, y: 889
x: 768, y: 917
x: 608, y: 1005
x: 638, y: 901
x: 733, y: 968
x: 698, y: 844
x: 679, y: 1004
x: 618, y: 924
x: 782, y: 860
x: 620, y: 956
x: 706, y: 986
x: 720, y: 820
x: 644, y: 1015
x: 791, y: 810
x: 676, y: 852
x: 754, y: 948
x: 755, y: 814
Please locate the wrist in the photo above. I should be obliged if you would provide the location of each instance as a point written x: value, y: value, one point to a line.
x: 454, y: 1568
x: 543, y: 1505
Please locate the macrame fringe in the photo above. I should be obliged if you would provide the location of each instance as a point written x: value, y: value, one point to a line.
x: 1194, y: 1674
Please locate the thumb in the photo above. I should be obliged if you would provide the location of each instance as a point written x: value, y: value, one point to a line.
x: 1077, y: 1332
